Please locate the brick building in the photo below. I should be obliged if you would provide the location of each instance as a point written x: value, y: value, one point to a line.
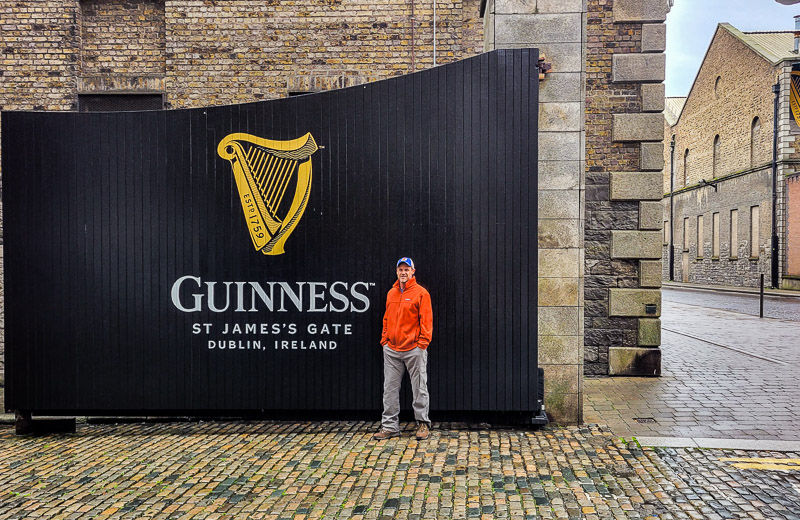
x: 600, y: 125
x: 722, y: 165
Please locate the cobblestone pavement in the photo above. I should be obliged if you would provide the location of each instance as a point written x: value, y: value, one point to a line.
x: 333, y: 470
x: 724, y: 375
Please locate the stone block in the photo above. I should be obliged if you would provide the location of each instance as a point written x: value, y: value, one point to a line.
x: 559, y: 203
x: 559, y: 233
x: 636, y: 244
x: 538, y: 7
x: 521, y: 28
x: 638, y: 67
x: 634, y: 302
x: 638, y: 127
x: 653, y: 97
x: 651, y: 156
x: 640, y: 11
x: 559, y: 175
x: 559, y: 263
x: 565, y: 57
x: 650, y: 273
x: 559, y: 146
x: 558, y: 292
x: 560, y: 117
x: 649, y: 332
x: 562, y: 379
x: 563, y: 350
x: 559, y: 321
x: 561, y: 86
x: 562, y: 408
x: 632, y: 361
x: 635, y: 186
x: 651, y: 215
x: 654, y: 37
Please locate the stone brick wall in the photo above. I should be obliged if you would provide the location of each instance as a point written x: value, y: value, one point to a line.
x: 232, y: 52
x: 624, y: 130
x: 743, y: 93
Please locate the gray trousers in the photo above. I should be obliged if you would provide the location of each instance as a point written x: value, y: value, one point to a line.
x: 394, y: 364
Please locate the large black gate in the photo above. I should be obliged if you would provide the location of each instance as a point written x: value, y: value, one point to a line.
x: 236, y: 259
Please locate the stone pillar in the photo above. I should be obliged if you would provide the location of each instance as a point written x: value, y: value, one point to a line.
x: 556, y: 29
x: 624, y: 186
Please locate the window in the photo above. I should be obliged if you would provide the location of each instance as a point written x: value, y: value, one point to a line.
x: 755, y: 131
x: 685, y: 167
x: 686, y: 234
x: 700, y: 236
x: 119, y: 102
x: 754, y: 232
x: 715, y: 163
x: 715, y: 235
x: 717, y: 87
x: 734, y: 238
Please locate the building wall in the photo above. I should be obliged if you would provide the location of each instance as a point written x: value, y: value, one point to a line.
x: 744, y: 92
x: 206, y: 52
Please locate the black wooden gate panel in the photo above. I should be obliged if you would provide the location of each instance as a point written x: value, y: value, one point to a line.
x: 105, y: 212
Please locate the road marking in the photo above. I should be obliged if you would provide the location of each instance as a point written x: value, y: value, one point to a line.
x: 766, y: 464
x: 740, y: 351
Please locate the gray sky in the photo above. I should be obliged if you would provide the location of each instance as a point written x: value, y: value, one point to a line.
x: 691, y: 24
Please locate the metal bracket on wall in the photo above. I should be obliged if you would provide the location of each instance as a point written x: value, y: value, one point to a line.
x: 704, y: 182
x: 543, y: 67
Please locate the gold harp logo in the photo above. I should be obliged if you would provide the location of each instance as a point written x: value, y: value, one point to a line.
x: 263, y: 170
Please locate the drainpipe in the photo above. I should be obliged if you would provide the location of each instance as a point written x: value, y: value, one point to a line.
x: 776, y: 89
x: 671, y: 209
x: 434, y: 33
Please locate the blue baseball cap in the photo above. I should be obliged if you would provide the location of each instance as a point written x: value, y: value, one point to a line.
x: 406, y: 260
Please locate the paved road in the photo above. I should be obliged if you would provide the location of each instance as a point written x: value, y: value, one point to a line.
x: 724, y: 375
x: 781, y: 307
x: 333, y: 470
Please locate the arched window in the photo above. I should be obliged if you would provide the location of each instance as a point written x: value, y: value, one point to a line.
x: 715, y: 163
x: 717, y: 86
x: 755, y: 131
x: 685, y: 167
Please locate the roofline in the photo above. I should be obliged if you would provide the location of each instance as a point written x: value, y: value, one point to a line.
x: 738, y: 35
x: 754, y: 46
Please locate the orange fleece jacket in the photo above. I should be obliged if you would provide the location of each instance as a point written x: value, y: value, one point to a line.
x: 408, y: 320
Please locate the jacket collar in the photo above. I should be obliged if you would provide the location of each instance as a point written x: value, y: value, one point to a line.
x: 409, y: 284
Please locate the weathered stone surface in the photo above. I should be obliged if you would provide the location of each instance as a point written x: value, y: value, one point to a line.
x: 638, y: 68
x: 651, y: 214
x: 632, y: 302
x: 564, y: 377
x: 561, y: 86
x: 652, y: 156
x: 650, y: 273
x: 559, y: 203
x: 559, y: 263
x: 627, y: 361
x: 635, y: 186
x: 538, y: 7
x: 653, y: 98
x: 565, y: 57
x: 559, y: 175
x: 559, y: 146
x: 559, y: 233
x: 555, y: 28
x: 558, y: 292
x: 560, y: 117
x: 559, y: 321
x: 654, y: 37
x: 640, y: 11
x: 636, y: 244
x: 638, y: 127
x: 564, y: 350
x: 649, y: 332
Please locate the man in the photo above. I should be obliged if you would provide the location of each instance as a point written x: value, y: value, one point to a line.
x: 407, y: 332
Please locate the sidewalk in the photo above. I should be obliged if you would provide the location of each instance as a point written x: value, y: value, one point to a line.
x: 733, y: 289
x: 334, y: 470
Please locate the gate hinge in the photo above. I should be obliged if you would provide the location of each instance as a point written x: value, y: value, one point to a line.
x: 543, y: 67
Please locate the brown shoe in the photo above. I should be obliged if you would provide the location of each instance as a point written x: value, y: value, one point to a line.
x: 423, y: 432
x: 384, y: 434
